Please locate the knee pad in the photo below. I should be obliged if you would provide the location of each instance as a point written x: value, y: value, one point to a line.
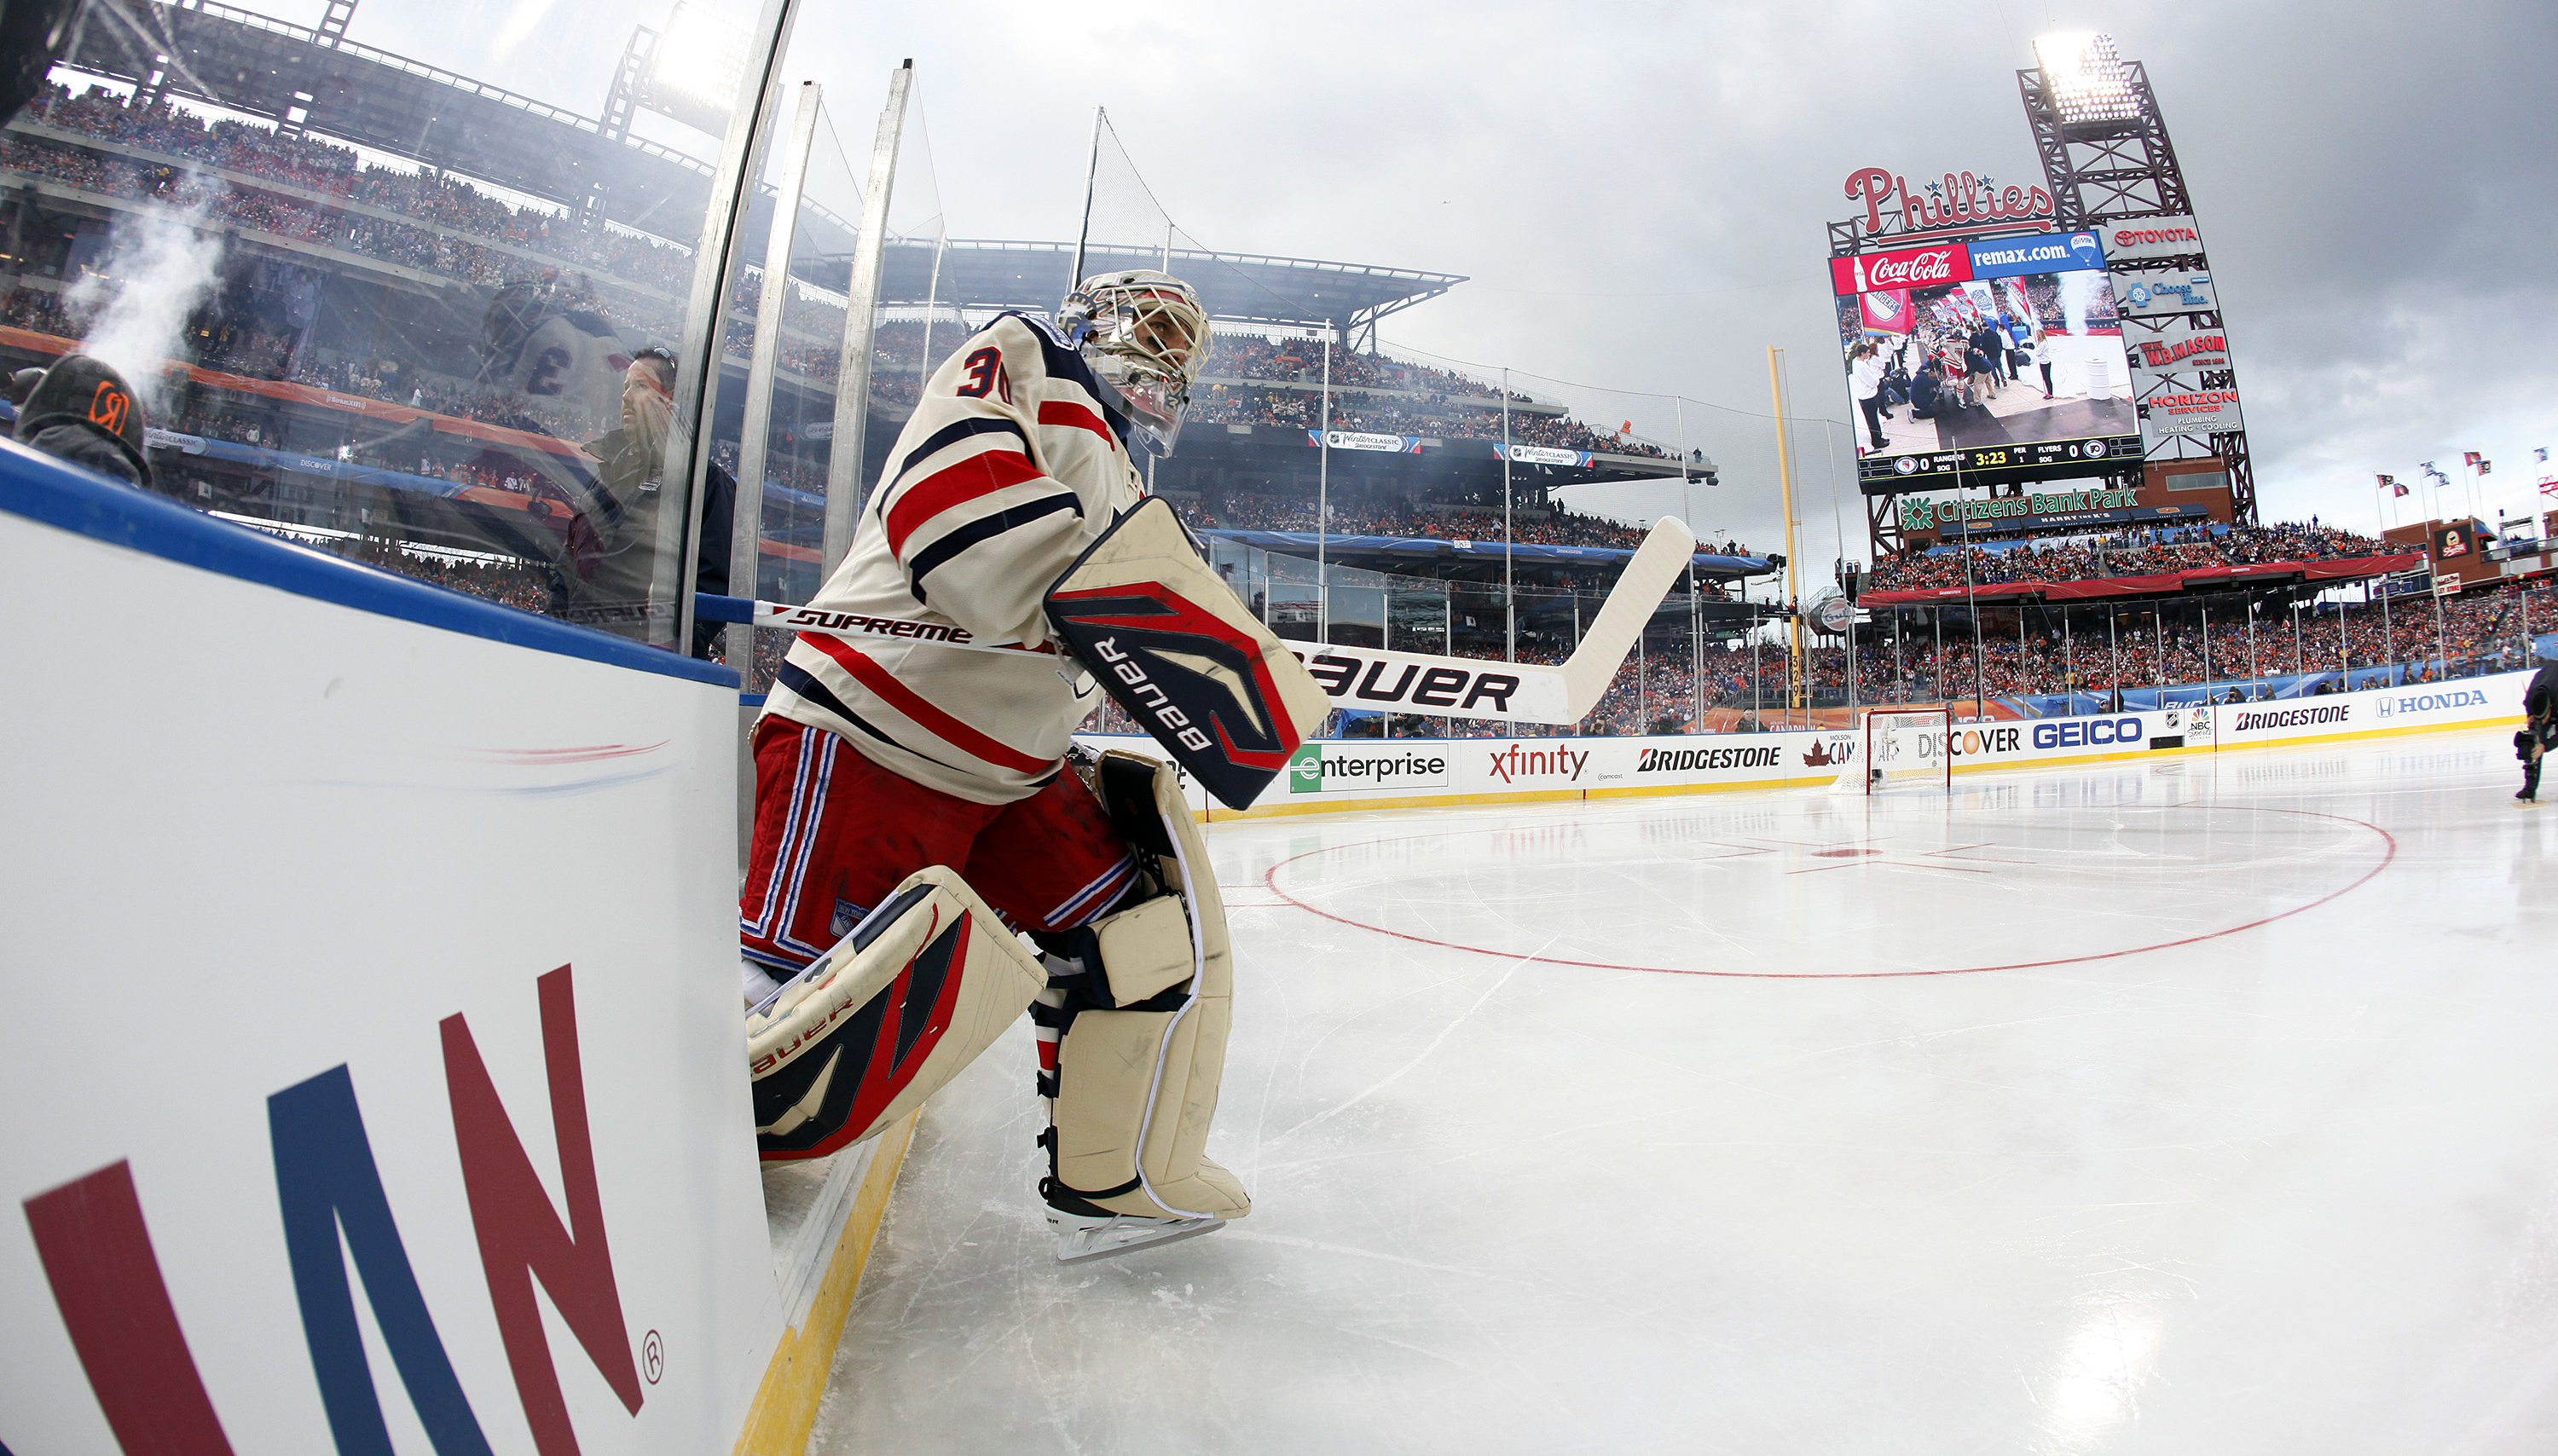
x: 1143, y: 1048
x: 894, y: 1012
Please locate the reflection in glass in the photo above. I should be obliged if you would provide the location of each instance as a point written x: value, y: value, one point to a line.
x: 378, y: 301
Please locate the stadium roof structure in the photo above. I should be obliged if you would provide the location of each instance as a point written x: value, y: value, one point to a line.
x: 256, y: 65
x: 1236, y: 286
x: 260, y: 67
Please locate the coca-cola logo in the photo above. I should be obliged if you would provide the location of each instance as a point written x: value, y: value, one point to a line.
x: 1933, y: 266
x: 1960, y: 199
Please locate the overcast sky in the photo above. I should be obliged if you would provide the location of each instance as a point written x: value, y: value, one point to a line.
x: 1638, y: 191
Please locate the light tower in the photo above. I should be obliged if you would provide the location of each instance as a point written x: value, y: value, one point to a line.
x: 2107, y: 156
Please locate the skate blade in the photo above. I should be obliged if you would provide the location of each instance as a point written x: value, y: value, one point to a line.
x: 1079, y: 1240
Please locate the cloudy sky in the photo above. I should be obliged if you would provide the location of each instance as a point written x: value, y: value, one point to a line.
x: 1638, y: 191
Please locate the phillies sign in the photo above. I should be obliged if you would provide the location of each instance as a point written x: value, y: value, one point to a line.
x: 1962, y: 200
x: 1947, y: 262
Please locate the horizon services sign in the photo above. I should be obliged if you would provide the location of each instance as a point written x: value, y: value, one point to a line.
x: 2188, y: 412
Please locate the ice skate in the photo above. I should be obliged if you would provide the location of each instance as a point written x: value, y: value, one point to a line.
x: 1081, y: 1237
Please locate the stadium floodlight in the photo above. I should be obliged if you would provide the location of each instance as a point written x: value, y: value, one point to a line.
x: 699, y: 60
x: 2087, y: 78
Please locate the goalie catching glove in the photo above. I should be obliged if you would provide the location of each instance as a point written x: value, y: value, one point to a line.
x: 1172, y: 645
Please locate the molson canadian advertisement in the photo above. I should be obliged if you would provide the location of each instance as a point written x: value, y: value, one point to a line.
x: 1996, y: 359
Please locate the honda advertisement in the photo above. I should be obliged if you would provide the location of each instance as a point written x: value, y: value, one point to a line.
x: 1997, y: 359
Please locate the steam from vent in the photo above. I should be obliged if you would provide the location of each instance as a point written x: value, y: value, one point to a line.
x: 2077, y: 291
x: 157, y: 269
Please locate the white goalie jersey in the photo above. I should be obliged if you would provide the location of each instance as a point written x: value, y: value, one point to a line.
x: 1010, y: 467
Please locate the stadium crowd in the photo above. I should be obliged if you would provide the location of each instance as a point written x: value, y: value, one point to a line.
x: 333, y: 172
x: 1434, y: 415
x: 2121, y: 554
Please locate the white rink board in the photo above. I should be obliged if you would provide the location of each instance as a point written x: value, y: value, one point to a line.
x: 283, y: 837
x: 1366, y: 773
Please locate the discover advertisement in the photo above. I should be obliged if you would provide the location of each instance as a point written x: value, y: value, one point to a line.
x: 1330, y: 775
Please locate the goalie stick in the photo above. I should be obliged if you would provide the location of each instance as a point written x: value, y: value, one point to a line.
x: 1370, y: 678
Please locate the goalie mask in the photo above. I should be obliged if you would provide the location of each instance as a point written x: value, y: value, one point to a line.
x: 1146, y: 336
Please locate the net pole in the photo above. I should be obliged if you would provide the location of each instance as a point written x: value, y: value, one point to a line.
x: 2442, y: 647
x: 1510, y: 593
x: 1083, y: 232
x: 1696, y: 651
x: 933, y: 305
x: 2114, y: 644
x: 1324, y: 505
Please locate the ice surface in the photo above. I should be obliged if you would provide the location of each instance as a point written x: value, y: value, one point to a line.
x: 1713, y: 1136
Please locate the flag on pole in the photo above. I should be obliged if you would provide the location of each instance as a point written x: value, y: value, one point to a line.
x: 2470, y: 457
x: 2392, y: 482
x: 2484, y: 465
x: 2540, y: 454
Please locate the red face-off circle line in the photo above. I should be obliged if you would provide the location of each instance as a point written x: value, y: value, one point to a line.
x: 2388, y: 854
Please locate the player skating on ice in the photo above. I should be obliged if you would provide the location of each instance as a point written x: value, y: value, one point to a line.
x: 2540, y: 728
x: 913, y: 801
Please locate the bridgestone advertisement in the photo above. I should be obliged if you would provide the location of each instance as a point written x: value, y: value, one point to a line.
x: 1332, y: 776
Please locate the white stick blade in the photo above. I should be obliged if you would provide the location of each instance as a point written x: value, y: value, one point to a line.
x: 1611, y: 635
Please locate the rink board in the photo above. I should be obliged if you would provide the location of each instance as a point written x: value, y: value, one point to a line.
x: 1336, y: 777
x: 320, y: 882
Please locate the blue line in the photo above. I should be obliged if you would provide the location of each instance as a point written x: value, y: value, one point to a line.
x: 43, y: 488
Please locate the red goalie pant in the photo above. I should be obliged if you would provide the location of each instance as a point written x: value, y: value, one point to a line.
x: 835, y: 833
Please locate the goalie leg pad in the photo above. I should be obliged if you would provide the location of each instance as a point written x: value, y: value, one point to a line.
x: 1137, y: 1084
x: 926, y: 983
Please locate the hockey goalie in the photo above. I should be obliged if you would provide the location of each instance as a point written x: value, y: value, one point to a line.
x: 915, y: 803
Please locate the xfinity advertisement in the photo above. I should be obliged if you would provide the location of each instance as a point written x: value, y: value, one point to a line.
x: 1998, y: 359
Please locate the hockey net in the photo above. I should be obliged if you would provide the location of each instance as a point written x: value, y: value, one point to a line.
x: 1900, y: 748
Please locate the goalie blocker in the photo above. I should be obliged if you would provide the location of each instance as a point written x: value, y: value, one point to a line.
x: 1172, y: 645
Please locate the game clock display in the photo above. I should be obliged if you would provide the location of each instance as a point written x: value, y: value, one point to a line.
x: 2043, y: 460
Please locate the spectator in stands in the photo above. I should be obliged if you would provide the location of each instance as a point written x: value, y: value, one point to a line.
x: 84, y: 412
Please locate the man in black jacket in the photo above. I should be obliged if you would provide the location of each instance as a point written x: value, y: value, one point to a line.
x: 2540, y: 728
x: 613, y: 536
